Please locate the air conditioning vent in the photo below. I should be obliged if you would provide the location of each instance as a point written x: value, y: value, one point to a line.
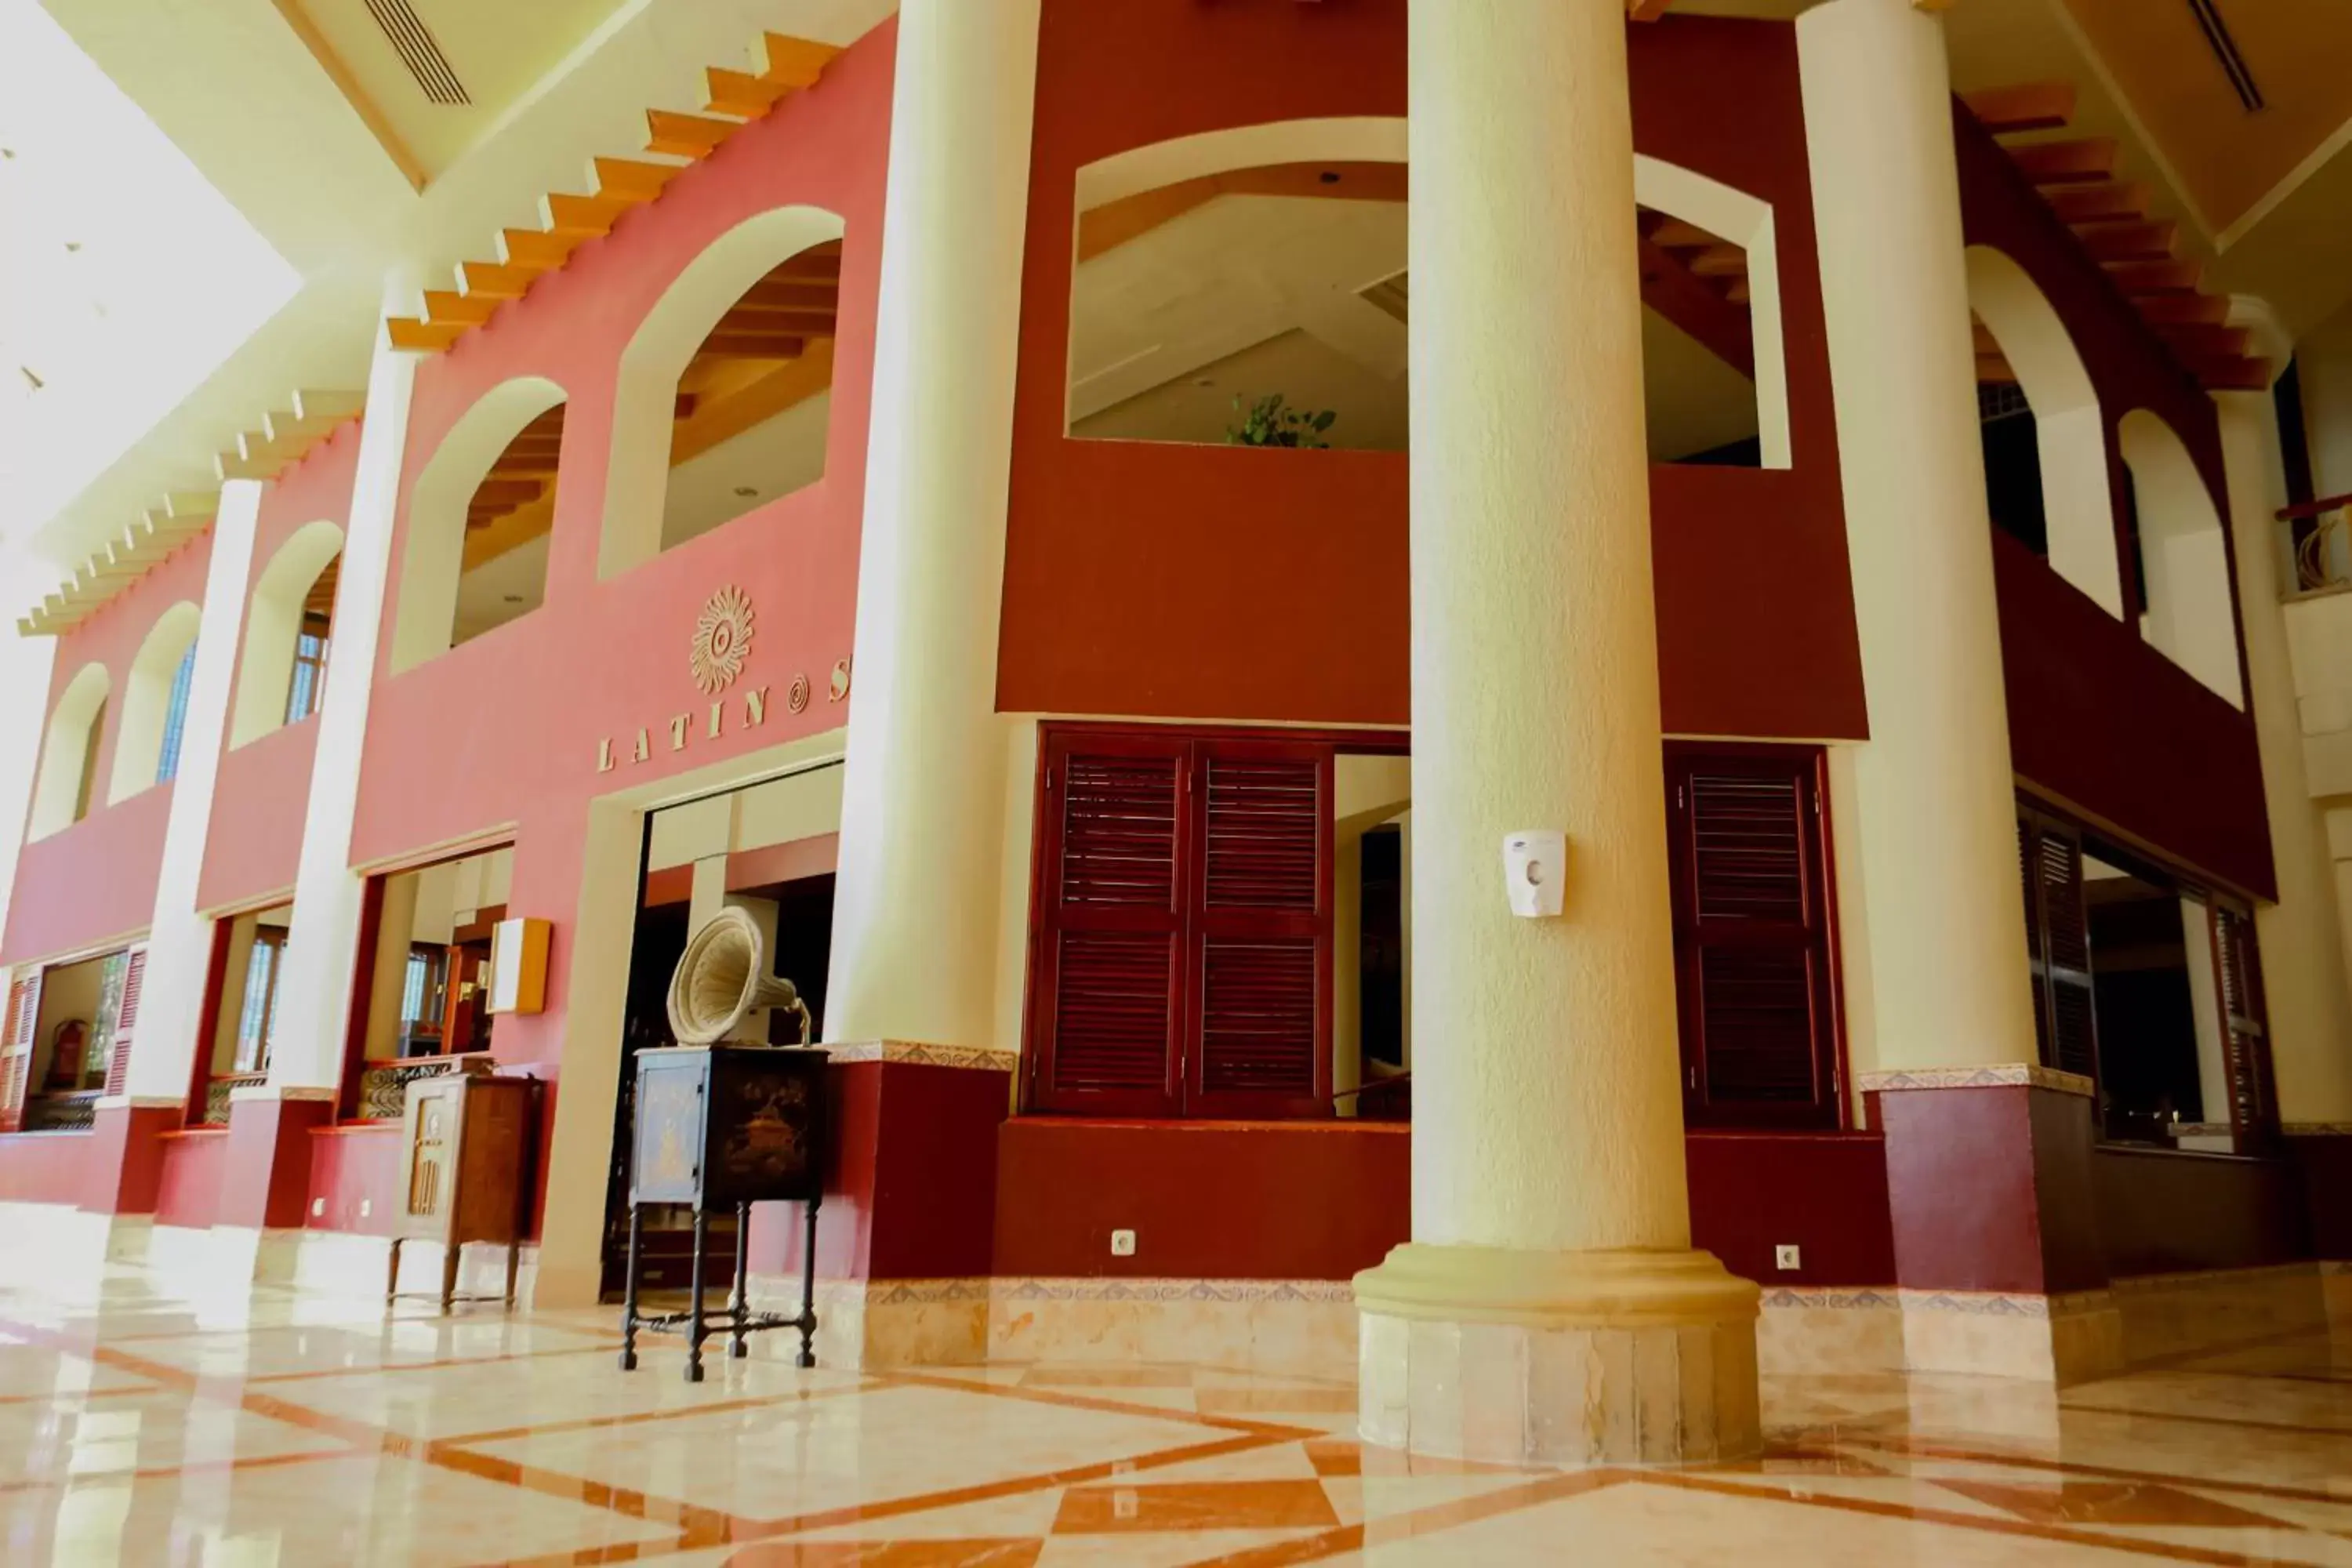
x: 415, y: 44
x: 2225, y: 50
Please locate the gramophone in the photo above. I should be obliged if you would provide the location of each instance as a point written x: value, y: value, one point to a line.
x: 725, y: 1122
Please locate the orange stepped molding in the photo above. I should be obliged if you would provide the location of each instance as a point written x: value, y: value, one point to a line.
x: 285, y: 438
x: 2110, y: 218
x: 736, y: 98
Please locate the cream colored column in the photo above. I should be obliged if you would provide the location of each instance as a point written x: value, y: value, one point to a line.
x: 1933, y: 787
x: 323, y: 942
x: 172, y: 1025
x: 2303, y: 978
x: 1548, y: 1308
x: 914, y: 938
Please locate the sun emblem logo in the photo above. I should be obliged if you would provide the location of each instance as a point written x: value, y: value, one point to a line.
x: 722, y: 637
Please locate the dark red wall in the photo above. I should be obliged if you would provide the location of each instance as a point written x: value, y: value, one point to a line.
x: 188, y: 1193
x: 1282, y: 1200
x: 1826, y: 1192
x: 2161, y: 1211
x: 2097, y: 717
x: 1197, y: 580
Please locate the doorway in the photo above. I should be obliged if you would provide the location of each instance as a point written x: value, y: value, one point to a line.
x: 768, y: 849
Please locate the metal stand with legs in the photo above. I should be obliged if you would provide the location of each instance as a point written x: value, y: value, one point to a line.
x: 736, y: 1319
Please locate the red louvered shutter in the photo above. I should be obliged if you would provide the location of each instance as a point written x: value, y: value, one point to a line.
x: 1105, y: 1009
x: 1755, y: 993
x: 2238, y: 977
x: 2059, y: 923
x: 16, y: 1049
x: 126, y: 1019
x: 1260, y: 954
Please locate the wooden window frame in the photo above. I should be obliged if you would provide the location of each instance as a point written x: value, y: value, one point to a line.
x: 1831, y: 1109
x: 1183, y: 1093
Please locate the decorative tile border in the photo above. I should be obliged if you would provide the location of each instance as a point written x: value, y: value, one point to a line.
x: 2006, y: 1304
x: 2316, y: 1129
x: 917, y: 1053
x: 2001, y: 1075
x: 1162, y: 1290
x: 1848, y: 1300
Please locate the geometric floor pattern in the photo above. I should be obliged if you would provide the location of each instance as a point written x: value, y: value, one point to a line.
x: 253, y: 1428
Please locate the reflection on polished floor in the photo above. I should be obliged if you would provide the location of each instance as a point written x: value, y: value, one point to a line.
x: 253, y: 1428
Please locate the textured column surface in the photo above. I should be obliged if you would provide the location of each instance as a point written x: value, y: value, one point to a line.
x: 323, y: 942
x: 914, y: 935
x: 1936, y: 795
x: 1548, y: 1307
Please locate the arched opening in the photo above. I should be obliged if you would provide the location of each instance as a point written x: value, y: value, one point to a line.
x: 2182, y: 555
x: 2045, y: 445
x: 1250, y: 286
x: 154, y: 704
x: 725, y: 393
x: 289, y: 621
x: 61, y: 790
x: 478, y: 521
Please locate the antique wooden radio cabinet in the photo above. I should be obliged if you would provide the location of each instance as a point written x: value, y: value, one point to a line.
x: 721, y: 1127
x: 466, y: 1141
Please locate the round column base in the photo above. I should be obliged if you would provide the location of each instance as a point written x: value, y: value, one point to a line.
x: 1563, y: 1358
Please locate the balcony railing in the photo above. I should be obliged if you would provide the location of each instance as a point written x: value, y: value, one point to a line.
x: 70, y: 1112
x: 383, y: 1085
x: 218, y: 1092
x: 2318, y: 541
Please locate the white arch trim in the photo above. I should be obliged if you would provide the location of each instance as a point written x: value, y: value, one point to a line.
x: 644, y: 392
x: 147, y: 700
x: 2185, y: 551
x: 64, y: 748
x: 273, y: 626
x: 434, y: 557
x: 2068, y: 431
x: 1730, y: 214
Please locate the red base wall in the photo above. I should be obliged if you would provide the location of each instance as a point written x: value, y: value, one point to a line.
x: 43, y: 1167
x: 195, y: 1161
x: 1826, y: 1194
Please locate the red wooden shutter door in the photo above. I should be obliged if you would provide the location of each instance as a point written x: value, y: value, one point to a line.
x: 1105, y: 1004
x: 2237, y: 968
x: 1261, y: 944
x: 126, y: 1019
x: 1752, y: 938
x: 16, y: 1049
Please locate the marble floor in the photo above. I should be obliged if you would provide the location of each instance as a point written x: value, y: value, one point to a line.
x: 248, y: 1428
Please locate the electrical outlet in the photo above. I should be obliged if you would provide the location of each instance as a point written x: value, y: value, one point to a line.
x: 1786, y: 1257
x: 317, y: 1207
x: 365, y: 1205
x: 1122, y: 1243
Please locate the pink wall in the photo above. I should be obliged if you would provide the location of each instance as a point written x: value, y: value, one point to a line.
x: 43, y: 1167
x: 193, y: 1163
x: 355, y: 1164
x: 504, y: 730
x: 255, y: 835
x: 95, y: 881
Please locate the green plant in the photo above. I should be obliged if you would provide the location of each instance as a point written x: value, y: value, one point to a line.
x: 1266, y: 423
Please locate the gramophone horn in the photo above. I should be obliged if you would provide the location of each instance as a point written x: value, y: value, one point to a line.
x: 721, y: 978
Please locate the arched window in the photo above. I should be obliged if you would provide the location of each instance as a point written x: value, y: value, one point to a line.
x: 175, y: 718
x: 2182, y: 556
x: 1238, y: 286
x: 139, y: 751
x: 479, y: 523
x: 724, y: 395
x: 62, y: 788
x: 289, y: 620
x: 2045, y: 445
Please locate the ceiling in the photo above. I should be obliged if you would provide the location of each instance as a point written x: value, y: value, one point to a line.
x: 263, y: 101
